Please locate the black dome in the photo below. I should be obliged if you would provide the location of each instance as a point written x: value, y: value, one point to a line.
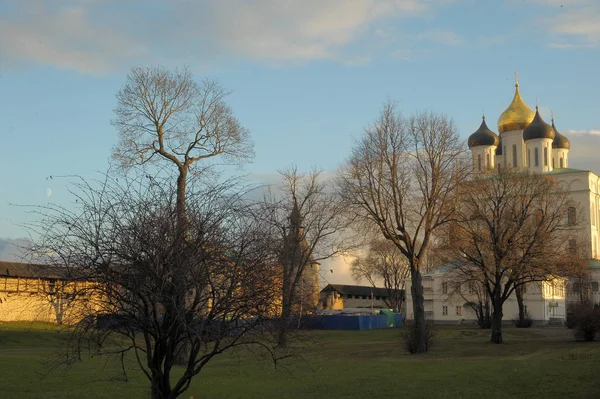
x: 483, y: 136
x: 499, y: 148
x: 560, y: 141
x: 538, y: 129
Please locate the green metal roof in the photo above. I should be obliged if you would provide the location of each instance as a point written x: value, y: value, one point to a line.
x: 561, y: 171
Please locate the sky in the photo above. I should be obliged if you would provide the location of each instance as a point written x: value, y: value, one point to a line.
x: 306, y: 77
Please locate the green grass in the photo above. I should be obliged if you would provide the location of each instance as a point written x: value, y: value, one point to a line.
x: 533, y: 363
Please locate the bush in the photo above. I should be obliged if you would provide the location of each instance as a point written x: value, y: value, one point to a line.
x: 526, y: 322
x: 410, y: 338
x: 570, y: 321
x: 587, y: 321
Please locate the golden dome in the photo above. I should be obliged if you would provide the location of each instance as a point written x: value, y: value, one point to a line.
x: 517, y: 116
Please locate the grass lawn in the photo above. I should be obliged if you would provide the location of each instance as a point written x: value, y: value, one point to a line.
x: 533, y: 363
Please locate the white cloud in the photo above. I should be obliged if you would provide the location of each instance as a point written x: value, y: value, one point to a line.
x: 584, y: 149
x: 96, y: 36
x: 581, y: 23
x: 592, y: 132
x: 574, y: 23
x: 66, y: 39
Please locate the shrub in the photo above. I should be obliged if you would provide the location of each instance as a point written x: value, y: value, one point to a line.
x: 410, y: 338
x: 525, y: 322
x: 587, y: 321
x: 570, y: 321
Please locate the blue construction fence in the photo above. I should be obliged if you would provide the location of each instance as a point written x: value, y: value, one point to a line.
x: 351, y: 322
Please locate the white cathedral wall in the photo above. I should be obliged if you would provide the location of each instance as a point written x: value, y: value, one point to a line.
x: 483, y: 157
x: 559, y: 154
x: 541, y: 304
x: 513, y: 148
x: 544, y: 158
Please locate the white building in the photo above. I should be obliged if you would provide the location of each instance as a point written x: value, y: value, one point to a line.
x: 526, y: 141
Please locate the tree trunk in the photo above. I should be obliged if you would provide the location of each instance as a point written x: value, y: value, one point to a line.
x: 416, y: 291
x: 284, y: 321
x: 519, y: 295
x: 497, y: 321
x: 156, y: 388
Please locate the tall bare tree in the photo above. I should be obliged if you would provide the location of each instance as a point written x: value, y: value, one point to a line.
x: 305, y: 219
x: 163, y: 298
x: 399, y: 182
x: 512, y: 230
x: 166, y: 115
x: 383, y: 264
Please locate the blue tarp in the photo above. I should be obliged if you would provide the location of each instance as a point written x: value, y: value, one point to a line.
x: 335, y: 322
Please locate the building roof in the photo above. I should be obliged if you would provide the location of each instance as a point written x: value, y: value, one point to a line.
x: 538, y: 129
x: 30, y: 270
x: 594, y: 264
x: 357, y: 290
x: 483, y: 136
x: 517, y: 116
x: 443, y: 268
x: 561, y: 171
x: 560, y: 141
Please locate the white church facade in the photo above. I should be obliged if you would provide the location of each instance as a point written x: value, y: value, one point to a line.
x: 527, y: 142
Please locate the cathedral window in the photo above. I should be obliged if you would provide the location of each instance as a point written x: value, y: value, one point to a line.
x: 514, y: 155
x: 545, y: 156
x: 536, y: 156
x: 561, y: 162
x: 553, y: 163
x: 487, y: 161
x: 529, y: 157
x: 479, y: 162
x: 504, y: 155
x: 572, y: 216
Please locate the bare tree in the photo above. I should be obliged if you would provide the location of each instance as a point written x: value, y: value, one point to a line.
x: 167, y: 115
x: 162, y: 297
x: 399, y: 181
x: 307, y: 228
x: 383, y: 264
x: 512, y: 231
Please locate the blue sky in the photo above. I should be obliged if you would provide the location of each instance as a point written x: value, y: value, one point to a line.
x: 306, y: 76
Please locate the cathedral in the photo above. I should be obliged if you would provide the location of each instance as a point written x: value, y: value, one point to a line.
x: 526, y: 141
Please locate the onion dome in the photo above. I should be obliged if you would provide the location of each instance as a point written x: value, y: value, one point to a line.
x: 560, y: 141
x: 517, y: 116
x: 538, y: 129
x: 483, y: 136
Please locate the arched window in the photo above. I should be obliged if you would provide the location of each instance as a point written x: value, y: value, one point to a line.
x: 553, y: 163
x: 545, y: 156
x: 529, y: 157
x: 572, y: 216
x: 479, y: 162
x: 536, y: 156
x: 514, y: 155
x: 562, y: 162
x: 488, y: 163
x: 504, y: 154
